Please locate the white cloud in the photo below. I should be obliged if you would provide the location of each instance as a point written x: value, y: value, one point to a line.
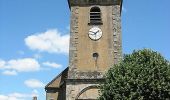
x: 52, y: 64
x: 33, y: 83
x: 9, y: 72
x: 19, y: 96
x: 50, y: 41
x: 2, y: 63
x: 14, y: 96
x: 23, y: 65
x: 3, y: 97
x: 37, y: 56
x: 13, y: 66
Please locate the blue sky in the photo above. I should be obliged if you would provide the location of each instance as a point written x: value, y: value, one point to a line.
x: 34, y: 40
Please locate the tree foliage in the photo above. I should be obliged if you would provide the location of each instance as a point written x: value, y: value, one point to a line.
x: 142, y: 75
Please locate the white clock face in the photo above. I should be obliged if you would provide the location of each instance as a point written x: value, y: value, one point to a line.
x: 95, y: 33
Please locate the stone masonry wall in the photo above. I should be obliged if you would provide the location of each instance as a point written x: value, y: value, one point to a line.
x: 117, y: 34
x: 115, y: 50
x: 73, y: 41
x: 74, y: 89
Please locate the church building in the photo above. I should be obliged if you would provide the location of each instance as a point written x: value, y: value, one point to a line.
x: 95, y: 46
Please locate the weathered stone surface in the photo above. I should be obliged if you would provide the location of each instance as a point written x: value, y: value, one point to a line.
x: 109, y: 48
x: 84, y: 72
x: 84, y: 89
x: 117, y: 36
x: 73, y: 39
x: 94, y: 2
x: 86, y: 75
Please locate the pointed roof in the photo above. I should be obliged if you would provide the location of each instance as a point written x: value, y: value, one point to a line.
x: 57, y: 81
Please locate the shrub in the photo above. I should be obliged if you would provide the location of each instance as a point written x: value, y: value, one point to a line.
x: 142, y: 75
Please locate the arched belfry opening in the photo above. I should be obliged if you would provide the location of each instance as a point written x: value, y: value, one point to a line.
x: 95, y: 15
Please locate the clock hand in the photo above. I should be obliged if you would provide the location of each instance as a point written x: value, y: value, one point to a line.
x: 95, y: 36
x: 92, y: 31
x: 96, y: 32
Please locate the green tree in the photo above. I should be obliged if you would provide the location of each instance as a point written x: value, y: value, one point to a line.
x: 142, y: 75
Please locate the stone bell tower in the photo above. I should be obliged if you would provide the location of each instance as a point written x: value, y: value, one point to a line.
x: 95, y: 45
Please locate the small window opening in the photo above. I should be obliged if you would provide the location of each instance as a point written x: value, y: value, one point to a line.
x: 95, y: 15
x: 95, y: 56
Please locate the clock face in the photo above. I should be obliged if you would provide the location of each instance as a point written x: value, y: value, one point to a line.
x: 95, y: 33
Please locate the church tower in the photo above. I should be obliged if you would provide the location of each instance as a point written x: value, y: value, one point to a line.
x: 95, y: 45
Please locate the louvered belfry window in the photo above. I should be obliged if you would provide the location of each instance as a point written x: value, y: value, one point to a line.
x: 95, y: 15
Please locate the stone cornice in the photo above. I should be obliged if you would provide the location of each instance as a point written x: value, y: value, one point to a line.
x: 85, y: 80
x: 94, y: 2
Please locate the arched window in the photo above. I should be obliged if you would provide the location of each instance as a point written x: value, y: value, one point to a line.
x: 95, y: 15
x: 86, y: 92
